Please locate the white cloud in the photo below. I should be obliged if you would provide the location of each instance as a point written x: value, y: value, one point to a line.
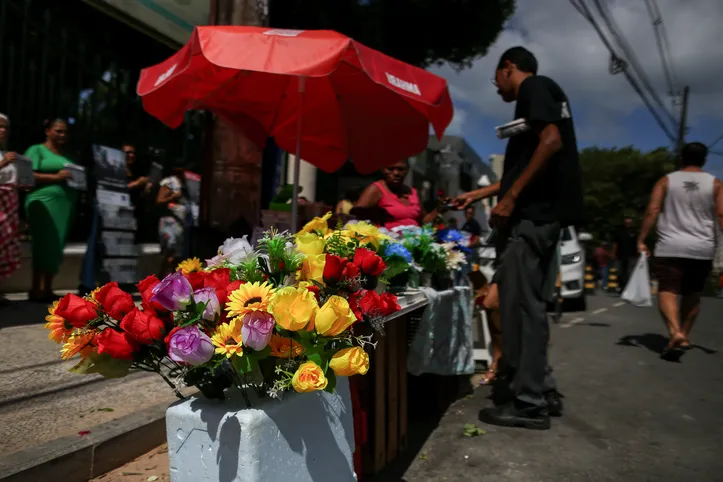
x: 456, y: 127
x: 569, y: 50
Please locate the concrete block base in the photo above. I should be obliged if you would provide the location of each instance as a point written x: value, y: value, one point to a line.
x: 303, y: 438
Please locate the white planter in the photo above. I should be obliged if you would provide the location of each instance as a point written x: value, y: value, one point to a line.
x: 304, y: 437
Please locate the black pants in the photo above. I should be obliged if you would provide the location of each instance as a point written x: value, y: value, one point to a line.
x: 526, y: 254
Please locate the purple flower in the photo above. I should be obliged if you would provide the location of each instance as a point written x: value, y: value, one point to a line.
x: 258, y: 326
x: 208, y: 296
x: 173, y: 293
x: 190, y: 345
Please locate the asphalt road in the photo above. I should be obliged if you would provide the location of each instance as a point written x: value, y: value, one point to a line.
x: 628, y: 414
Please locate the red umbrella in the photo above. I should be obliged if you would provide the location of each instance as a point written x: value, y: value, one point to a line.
x: 317, y: 93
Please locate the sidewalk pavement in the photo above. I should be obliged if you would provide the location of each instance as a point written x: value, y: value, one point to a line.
x: 628, y: 414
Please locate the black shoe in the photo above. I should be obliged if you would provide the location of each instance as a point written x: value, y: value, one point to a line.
x: 509, y: 416
x: 554, y: 403
x: 673, y: 354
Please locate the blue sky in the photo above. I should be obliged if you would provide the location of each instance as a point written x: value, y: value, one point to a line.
x: 606, y: 109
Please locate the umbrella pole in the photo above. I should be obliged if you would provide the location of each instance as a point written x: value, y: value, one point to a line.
x: 297, y: 159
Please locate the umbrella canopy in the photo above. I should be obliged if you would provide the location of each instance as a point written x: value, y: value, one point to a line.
x: 346, y: 100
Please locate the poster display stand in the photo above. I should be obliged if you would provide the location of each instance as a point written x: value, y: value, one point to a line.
x: 117, y: 259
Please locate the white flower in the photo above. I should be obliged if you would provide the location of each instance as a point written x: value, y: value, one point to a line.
x: 235, y: 249
x: 454, y: 258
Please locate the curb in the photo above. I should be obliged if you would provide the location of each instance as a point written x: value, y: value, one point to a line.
x: 71, y: 459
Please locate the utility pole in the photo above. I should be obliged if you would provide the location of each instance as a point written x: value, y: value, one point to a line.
x: 683, y: 122
x: 231, y: 174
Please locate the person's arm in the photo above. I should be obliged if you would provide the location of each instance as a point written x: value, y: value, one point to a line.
x: 367, y: 205
x: 465, y: 199
x: 550, y: 143
x: 138, y: 183
x: 8, y: 158
x: 651, y: 215
x: 33, y: 153
x: 718, y: 190
x: 166, y: 195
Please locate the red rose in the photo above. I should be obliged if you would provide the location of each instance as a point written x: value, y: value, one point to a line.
x: 350, y: 270
x: 314, y: 289
x: 389, y: 304
x: 116, y: 302
x: 223, y: 294
x: 333, y: 268
x: 218, y: 279
x: 120, y: 345
x: 145, y: 327
x: 354, y: 304
x: 196, y: 278
x: 145, y: 288
x: 369, y: 262
x: 370, y: 303
x: 76, y: 310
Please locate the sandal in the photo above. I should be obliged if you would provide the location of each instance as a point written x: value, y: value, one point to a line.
x: 674, y: 350
x: 490, y: 375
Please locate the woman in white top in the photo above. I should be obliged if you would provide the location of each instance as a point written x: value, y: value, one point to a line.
x: 9, y: 235
x: 690, y: 204
x: 174, y: 204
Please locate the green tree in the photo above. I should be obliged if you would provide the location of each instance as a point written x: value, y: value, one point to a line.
x: 420, y: 32
x: 617, y: 183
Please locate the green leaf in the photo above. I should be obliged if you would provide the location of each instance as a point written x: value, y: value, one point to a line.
x: 265, y: 353
x: 331, y: 378
x: 472, y: 430
x: 104, y: 365
x: 244, y: 363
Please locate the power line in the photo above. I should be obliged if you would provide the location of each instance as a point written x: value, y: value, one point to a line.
x: 661, y: 39
x: 631, y: 57
x: 585, y: 12
x: 716, y: 141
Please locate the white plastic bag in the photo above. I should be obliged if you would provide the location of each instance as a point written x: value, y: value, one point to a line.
x: 637, y: 291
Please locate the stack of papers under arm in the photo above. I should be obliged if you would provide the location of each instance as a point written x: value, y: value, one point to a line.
x: 512, y: 128
x: 77, y: 177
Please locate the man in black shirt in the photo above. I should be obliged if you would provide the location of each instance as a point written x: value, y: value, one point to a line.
x: 540, y: 192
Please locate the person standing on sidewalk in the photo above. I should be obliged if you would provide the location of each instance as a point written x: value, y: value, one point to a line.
x: 686, y: 205
x: 540, y: 192
x: 602, y: 260
x: 625, y: 251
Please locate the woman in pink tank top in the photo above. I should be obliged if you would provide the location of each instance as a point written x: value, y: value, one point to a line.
x: 391, y: 203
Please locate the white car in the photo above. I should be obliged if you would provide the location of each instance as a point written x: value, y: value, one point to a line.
x: 572, y: 265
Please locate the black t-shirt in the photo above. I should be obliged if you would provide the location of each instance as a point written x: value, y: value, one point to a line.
x: 555, y: 194
x: 472, y: 227
x: 627, y: 241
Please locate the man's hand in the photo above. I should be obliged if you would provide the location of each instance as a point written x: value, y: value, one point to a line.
x: 643, y: 248
x: 465, y: 199
x: 502, y: 212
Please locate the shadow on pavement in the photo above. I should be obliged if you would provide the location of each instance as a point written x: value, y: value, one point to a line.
x: 656, y: 343
x: 432, y: 396
x: 22, y: 313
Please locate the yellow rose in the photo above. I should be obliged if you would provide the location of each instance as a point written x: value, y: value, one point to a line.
x: 310, y: 244
x: 334, y: 317
x: 317, y: 224
x: 350, y: 361
x: 309, y: 378
x: 293, y: 308
x: 312, y: 268
x: 366, y: 233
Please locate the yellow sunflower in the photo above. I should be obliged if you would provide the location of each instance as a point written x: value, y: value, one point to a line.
x: 79, y: 343
x: 227, y: 338
x: 249, y: 297
x: 60, y: 329
x: 92, y: 295
x: 190, y: 265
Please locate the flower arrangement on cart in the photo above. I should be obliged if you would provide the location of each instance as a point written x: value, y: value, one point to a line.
x: 289, y: 314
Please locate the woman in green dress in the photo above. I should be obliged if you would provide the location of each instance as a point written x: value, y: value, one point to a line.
x: 49, y: 208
